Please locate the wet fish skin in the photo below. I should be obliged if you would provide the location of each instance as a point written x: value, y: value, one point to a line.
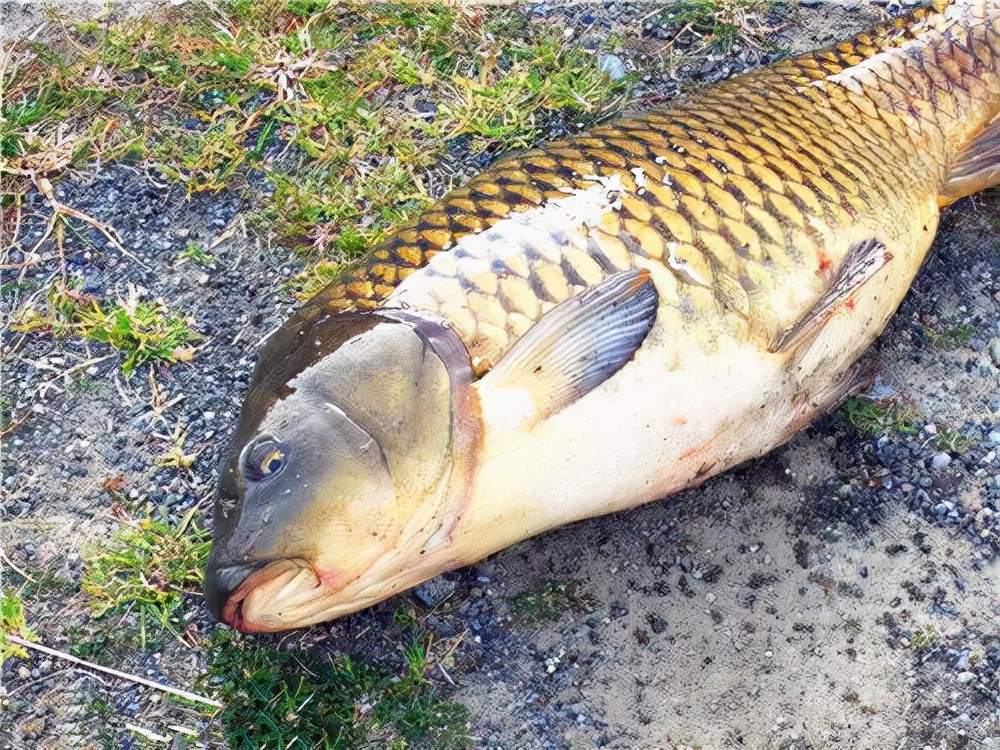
x: 602, y: 321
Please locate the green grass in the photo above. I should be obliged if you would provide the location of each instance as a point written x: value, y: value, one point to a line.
x: 924, y: 638
x: 48, y: 581
x: 145, y: 570
x: 721, y: 25
x: 871, y: 418
x: 547, y: 600
x: 143, y: 331
x: 952, y: 441
x: 12, y: 622
x: 950, y: 338
x: 318, y: 96
x: 282, y: 700
x: 195, y: 253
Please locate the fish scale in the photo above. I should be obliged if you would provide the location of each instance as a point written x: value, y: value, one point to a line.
x: 739, y: 192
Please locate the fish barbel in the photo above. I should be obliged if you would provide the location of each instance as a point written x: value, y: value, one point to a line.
x: 601, y: 322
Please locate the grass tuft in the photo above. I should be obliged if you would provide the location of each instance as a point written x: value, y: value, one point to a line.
x: 145, y: 570
x: 721, y: 26
x: 280, y: 699
x: 12, y: 622
x: 143, y: 331
x: 872, y: 418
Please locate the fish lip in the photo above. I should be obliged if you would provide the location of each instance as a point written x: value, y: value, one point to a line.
x: 223, y: 580
x: 260, y: 574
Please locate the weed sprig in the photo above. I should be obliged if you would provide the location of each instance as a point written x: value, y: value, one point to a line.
x: 145, y: 570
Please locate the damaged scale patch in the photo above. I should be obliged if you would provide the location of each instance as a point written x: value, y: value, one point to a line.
x: 494, y: 285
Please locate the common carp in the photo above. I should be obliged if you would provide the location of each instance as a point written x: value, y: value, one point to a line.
x: 602, y: 321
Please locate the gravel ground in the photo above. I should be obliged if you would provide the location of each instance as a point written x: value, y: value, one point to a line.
x: 842, y: 592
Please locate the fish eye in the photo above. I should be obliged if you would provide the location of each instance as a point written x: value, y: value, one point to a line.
x: 264, y: 458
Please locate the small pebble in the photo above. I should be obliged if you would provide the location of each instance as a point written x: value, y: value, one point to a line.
x: 964, y: 677
x: 994, y: 350
x: 940, y: 461
x: 433, y: 592
x: 613, y: 66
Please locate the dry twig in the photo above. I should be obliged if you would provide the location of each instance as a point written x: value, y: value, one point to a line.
x: 186, y: 695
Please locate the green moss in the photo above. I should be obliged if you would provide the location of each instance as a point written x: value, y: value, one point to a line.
x: 871, y: 418
x: 950, y: 338
x: 306, y: 8
x: 547, y: 600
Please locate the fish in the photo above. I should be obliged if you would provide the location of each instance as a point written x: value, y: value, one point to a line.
x: 601, y: 321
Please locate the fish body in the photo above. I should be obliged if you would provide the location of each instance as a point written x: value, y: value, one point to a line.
x: 601, y: 322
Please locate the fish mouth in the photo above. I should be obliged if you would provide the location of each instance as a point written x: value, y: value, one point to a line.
x: 269, y: 597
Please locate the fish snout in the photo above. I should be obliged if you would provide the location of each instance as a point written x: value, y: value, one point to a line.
x: 222, y: 581
x: 265, y: 597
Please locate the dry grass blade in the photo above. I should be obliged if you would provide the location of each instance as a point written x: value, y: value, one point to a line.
x: 59, y: 209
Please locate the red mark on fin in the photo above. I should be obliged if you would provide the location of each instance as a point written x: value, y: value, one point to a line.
x: 691, y: 452
x: 825, y: 264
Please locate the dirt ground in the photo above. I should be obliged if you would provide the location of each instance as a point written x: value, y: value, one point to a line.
x: 842, y: 592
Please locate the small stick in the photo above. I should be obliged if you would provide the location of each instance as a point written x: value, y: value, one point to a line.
x: 10, y: 563
x: 194, y: 697
x: 153, y: 736
x: 446, y: 675
x: 45, y: 188
x: 43, y: 678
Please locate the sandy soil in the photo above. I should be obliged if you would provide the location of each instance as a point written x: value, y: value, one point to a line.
x: 840, y: 593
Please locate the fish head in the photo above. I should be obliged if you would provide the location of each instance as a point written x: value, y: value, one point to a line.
x: 342, y: 452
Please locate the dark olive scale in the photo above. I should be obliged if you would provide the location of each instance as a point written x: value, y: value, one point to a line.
x: 741, y: 186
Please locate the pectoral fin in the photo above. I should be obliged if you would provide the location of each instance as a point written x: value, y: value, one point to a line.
x: 864, y: 259
x: 977, y: 167
x: 575, y: 346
